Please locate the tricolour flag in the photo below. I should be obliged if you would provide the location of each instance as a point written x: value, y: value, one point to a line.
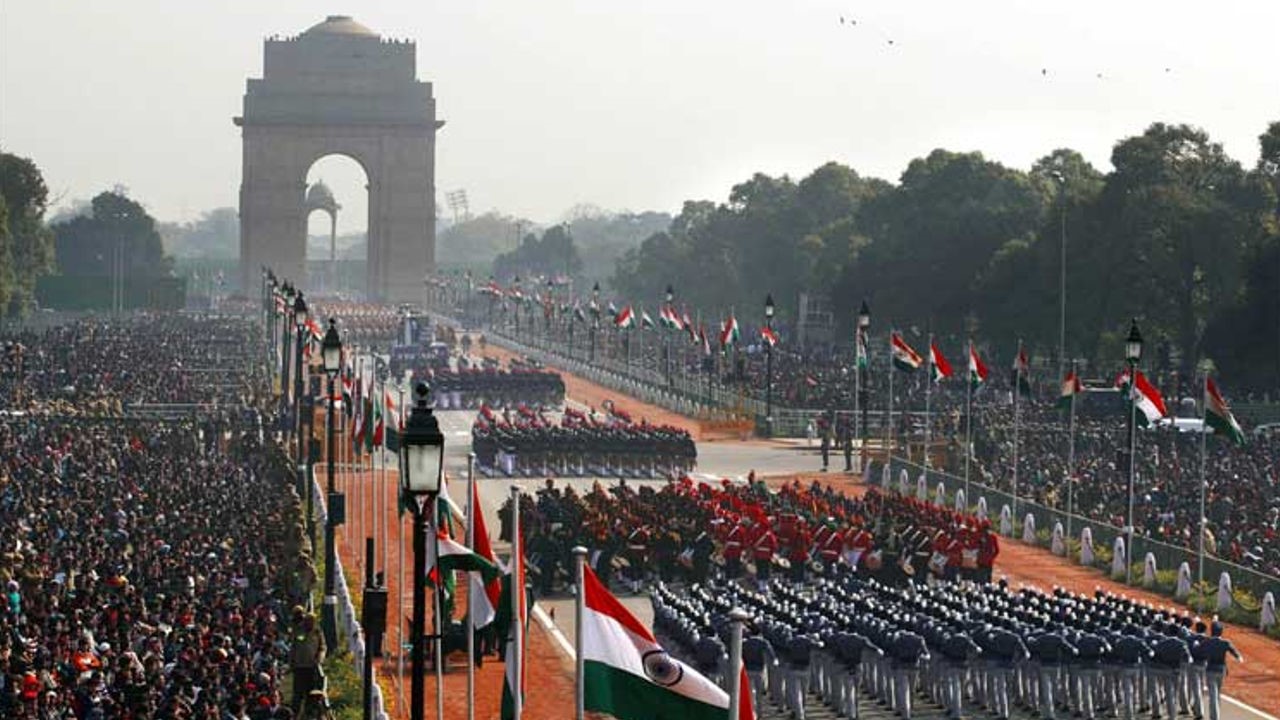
x: 706, y: 341
x: 484, y: 593
x: 1022, y: 371
x: 628, y: 675
x: 578, y: 313
x: 1151, y: 405
x: 688, y: 326
x: 514, y: 680
x: 905, y: 358
x: 941, y: 368
x: 456, y: 556
x: 1071, y: 387
x: 624, y: 318
x: 646, y: 322
x: 668, y: 318
x: 977, y: 369
x: 768, y: 335
x: 1218, y: 414
x: 729, y: 331
x: 860, y: 349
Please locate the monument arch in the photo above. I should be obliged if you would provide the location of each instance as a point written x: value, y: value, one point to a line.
x: 340, y: 88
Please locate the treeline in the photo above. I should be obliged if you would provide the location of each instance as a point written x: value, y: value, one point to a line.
x: 1178, y: 234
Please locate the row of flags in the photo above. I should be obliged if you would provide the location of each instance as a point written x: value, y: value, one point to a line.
x: 1146, y: 398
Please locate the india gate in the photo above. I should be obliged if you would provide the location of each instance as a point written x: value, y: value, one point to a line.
x: 339, y: 88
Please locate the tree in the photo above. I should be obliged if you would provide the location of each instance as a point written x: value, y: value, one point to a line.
x: 551, y: 256
x: 474, y: 243
x: 6, y: 256
x: 214, y: 235
x: 30, y: 252
x: 86, y: 245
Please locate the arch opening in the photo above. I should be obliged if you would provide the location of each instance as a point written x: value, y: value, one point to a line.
x: 336, y: 202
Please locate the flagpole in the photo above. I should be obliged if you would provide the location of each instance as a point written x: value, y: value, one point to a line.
x: 1071, y: 449
x: 928, y: 390
x: 1204, y: 409
x: 471, y: 631
x: 968, y: 421
x: 1133, y: 446
x: 733, y: 676
x: 517, y: 622
x: 579, y: 609
x: 400, y: 596
x: 888, y: 430
x: 857, y: 398
x: 439, y: 622
x: 1017, y: 390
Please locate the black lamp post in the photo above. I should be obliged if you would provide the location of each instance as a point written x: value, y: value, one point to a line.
x: 300, y: 326
x: 864, y: 327
x: 331, y: 355
x: 286, y: 294
x: 421, y: 467
x: 493, y: 297
x: 768, y: 362
x: 595, y: 321
x: 1132, y: 354
x: 548, y: 310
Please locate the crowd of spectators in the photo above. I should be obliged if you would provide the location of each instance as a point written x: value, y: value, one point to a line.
x: 151, y: 568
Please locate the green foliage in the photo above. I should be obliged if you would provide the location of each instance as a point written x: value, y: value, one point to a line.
x: 26, y: 245
x: 86, y: 244
x: 475, y: 242
x: 1178, y: 234
x: 554, y: 254
x: 214, y: 235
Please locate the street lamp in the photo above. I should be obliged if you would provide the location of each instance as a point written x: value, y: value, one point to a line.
x: 421, y: 468
x: 300, y: 326
x: 864, y: 327
x: 519, y: 300
x: 1132, y: 354
x: 768, y: 360
x: 595, y: 321
x: 331, y: 356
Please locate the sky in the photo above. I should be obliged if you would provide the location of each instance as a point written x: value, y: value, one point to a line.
x: 635, y: 106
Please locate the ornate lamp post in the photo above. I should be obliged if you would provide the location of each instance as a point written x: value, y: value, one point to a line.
x: 1132, y: 354
x: 300, y: 327
x: 864, y: 327
x: 670, y: 298
x: 331, y: 355
x: 421, y: 468
x: 519, y: 302
x: 768, y: 361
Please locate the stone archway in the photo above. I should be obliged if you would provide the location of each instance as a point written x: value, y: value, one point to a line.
x: 340, y: 88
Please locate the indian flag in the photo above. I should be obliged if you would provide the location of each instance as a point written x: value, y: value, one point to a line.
x: 514, y: 679
x: 484, y: 593
x: 1071, y: 386
x: 729, y: 331
x: 977, y: 370
x: 860, y: 349
x: 1144, y: 395
x: 628, y: 675
x: 456, y: 556
x: 668, y: 318
x: 941, y: 368
x: 624, y: 318
x: 706, y: 342
x: 646, y: 322
x: 769, y: 336
x: 1217, y: 414
x: 1022, y: 371
x: 904, y: 357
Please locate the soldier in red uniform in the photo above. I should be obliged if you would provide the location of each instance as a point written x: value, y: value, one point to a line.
x: 762, y: 552
x: 988, y: 550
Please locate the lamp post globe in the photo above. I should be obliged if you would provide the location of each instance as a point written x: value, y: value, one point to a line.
x: 864, y: 317
x: 300, y: 311
x: 671, y: 294
x: 1133, y: 343
x: 331, y: 350
x: 768, y: 306
x: 421, y: 468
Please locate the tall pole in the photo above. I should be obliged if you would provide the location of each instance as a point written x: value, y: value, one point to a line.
x: 1062, y: 279
x: 367, y: 684
x: 302, y: 459
x: 968, y: 422
x: 418, y: 629
x: 928, y: 390
x: 768, y: 393
x: 471, y: 631
x: 864, y: 363
x: 517, y: 602
x: 1133, y: 468
x: 1204, y: 409
x: 580, y: 609
x: 888, y: 426
x: 1017, y: 392
x: 441, y: 623
x: 328, y: 618
x: 1071, y: 451
x: 733, y: 685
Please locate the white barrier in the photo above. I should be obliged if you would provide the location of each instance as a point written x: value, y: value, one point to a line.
x: 1057, y: 543
x: 1224, y: 592
x: 1149, y: 571
x: 1267, y: 617
x: 1119, y: 558
x: 1006, y: 521
x: 1087, y: 556
x: 1183, y: 589
x: 348, y: 620
x: 922, y: 488
x: 1029, y: 529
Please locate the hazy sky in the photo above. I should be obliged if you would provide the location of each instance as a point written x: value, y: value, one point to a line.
x: 637, y: 105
